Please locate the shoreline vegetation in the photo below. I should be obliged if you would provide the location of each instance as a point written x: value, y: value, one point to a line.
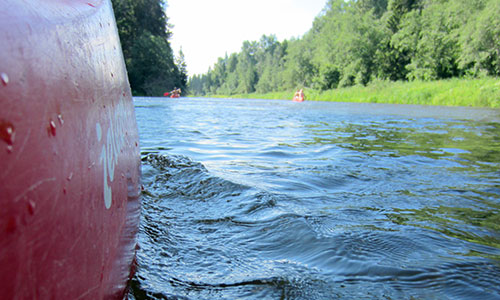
x: 483, y: 92
x: 434, y: 52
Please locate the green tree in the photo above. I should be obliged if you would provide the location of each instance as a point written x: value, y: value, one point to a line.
x: 152, y: 70
x: 394, y: 55
x: 429, y: 39
x: 144, y: 33
x: 480, y: 41
x: 230, y: 85
x: 196, y: 85
x: 299, y: 67
x: 269, y: 66
x: 345, y: 42
x: 376, y: 7
x: 180, y: 62
x: 397, y: 9
x: 246, y: 68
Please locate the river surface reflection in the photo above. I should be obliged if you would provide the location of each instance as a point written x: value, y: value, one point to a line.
x: 254, y: 199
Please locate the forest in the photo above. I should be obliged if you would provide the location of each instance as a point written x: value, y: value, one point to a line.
x: 144, y: 32
x: 357, y: 42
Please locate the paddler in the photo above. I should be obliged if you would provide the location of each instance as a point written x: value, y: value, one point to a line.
x: 175, y: 92
x: 302, y: 95
x: 297, y: 94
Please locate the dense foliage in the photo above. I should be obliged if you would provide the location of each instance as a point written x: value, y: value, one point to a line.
x: 356, y: 42
x: 144, y: 33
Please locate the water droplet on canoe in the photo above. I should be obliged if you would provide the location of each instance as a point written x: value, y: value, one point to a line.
x: 4, y: 78
x: 31, y: 207
x: 60, y: 118
x: 70, y: 176
x: 52, y: 128
x: 7, y: 132
x: 9, y: 149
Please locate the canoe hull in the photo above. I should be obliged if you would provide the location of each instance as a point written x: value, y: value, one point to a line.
x: 69, y: 153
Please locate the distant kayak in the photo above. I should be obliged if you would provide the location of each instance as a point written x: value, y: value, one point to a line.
x: 175, y: 93
x: 171, y: 95
x: 298, y: 99
x: 299, y: 96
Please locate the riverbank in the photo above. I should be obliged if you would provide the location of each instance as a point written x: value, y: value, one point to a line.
x: 484, y: 92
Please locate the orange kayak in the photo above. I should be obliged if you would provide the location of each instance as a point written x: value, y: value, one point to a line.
x: 298, y: 99
x: 69, y: 153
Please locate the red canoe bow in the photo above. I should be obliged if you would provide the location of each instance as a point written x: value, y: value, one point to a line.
x: 69, y: 153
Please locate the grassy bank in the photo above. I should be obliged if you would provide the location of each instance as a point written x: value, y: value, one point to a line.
x: 483, y: 92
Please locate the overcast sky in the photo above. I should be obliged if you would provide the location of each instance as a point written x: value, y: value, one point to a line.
x: 207, y: 29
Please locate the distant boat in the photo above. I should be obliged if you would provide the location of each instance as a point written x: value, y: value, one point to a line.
x: 298, y: 99
x: 173, y: 94
x: 69, y: 153
x: 299, y: 96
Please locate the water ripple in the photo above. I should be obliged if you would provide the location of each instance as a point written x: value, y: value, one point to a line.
x: 316, y: 202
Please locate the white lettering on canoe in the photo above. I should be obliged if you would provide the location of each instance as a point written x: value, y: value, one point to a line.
x: 111, y: 148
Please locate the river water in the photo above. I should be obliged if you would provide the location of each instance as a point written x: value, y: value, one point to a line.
x: 254, y: 199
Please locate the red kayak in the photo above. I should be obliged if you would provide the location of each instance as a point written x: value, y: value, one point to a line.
x: 171, y: 95
x: 69, y: 153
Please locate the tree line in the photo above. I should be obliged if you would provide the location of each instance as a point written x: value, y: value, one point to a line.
x: 356, y: 42
x: 144, y: 32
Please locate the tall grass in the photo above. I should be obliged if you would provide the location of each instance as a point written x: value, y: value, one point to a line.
x: 483, y: 92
